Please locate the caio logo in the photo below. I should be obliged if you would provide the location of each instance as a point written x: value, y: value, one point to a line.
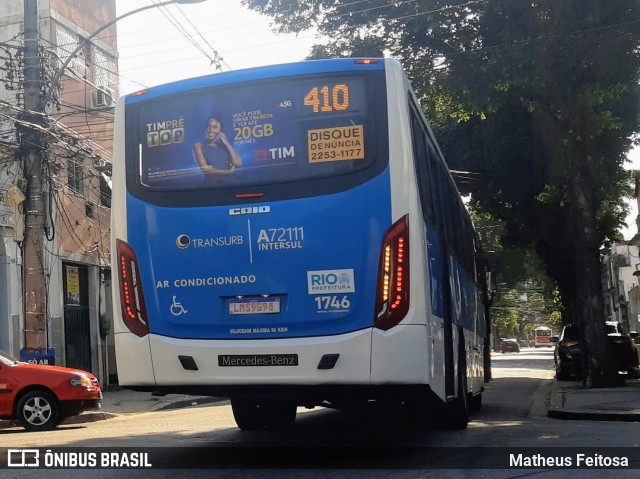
x: 249, y: 210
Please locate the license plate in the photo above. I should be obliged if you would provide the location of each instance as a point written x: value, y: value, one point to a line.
x: 254, y: 306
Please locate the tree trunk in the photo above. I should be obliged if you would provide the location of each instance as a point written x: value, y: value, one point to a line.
x: 589, y: 303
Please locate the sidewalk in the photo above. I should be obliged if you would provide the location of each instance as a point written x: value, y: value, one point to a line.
x: 123, y: 401
x: 569, y: 400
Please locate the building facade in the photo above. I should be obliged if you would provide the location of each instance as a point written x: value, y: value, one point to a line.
x: 76, y: 173
x: 620, y: 284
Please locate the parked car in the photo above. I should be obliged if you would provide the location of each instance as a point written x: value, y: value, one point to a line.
x: 567, y: 354
x: 510, y: 346
x: 624, y: 348
x: 568, y: 351
x: 39, y: 397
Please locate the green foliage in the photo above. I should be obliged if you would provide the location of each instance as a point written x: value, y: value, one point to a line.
x: 549, y: 79
x: 540, y: 99
x: 526, y: 297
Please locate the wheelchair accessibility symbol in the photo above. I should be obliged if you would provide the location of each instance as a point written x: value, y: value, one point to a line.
x: 177, y: 309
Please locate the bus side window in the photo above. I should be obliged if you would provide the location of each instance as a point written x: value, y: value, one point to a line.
x: 447, y: 204
x: 449, y: 210
x: 420, y: 154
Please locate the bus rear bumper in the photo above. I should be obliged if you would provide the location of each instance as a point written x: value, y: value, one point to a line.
x: 264, y: 361
x: 351, y: 367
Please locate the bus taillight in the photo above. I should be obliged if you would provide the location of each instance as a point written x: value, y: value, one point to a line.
x: 392, y: 299
x: 134, y: 311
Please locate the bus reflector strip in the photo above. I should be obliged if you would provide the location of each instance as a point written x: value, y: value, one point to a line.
x: 392, y: 299
x: 249, y: 195
x: 134, y: 311
x: 139, y: 93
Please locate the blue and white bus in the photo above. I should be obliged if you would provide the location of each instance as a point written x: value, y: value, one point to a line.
x: 291, y: 236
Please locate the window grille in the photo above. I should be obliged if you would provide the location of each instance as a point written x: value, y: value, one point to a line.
x: 75, y: 176
x: 66, y: 42
x: 104, y: 70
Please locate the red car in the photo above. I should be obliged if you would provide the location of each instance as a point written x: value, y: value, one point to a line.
x: 40, y: 397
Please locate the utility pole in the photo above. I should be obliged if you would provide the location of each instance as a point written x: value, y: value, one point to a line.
x: 34, y: 283
x: 34, y: 120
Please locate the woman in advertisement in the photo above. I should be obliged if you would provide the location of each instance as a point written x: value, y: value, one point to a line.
x: 215, y: 155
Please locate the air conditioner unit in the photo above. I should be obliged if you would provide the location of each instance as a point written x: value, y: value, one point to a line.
x: 104, y: 97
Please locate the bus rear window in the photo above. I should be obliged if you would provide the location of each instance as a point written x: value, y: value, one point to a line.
x: 254, y: 133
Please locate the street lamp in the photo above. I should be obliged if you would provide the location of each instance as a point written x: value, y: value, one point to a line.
x: 46, y: 98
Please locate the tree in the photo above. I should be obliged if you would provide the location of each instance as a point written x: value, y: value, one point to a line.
x: 525, y: 296
x: 541, y: 98
x: 564, y: 113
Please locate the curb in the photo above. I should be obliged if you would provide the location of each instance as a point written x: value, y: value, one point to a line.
x: 593, y: 416
x: 561, y: 406
x: 6, y: 424
x: 84, y: 417
x: 89, y: 416
x: 94, y: 416
x: 189, y: 402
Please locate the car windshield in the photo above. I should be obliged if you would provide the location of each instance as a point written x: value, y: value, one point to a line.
x: 7, y: 358
x: 613, y: 328
x: 571, y: 332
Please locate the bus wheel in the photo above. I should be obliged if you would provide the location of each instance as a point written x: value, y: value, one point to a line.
x: 247, y: 414
x: 424, y: 411
x: 475, y: 402
x: 278, y: 414
x: 458, y: 410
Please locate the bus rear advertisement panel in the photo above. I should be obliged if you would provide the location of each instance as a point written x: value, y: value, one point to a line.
x: 281, y: 130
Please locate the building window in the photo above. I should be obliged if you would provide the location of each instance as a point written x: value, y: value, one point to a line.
x: 104, y: 70
x: 66, y: 42
x: 75, y: 176
x: 105, y: 191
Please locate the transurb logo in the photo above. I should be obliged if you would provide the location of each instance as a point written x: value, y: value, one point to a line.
x: 331, y: 281
x: 183, y: 241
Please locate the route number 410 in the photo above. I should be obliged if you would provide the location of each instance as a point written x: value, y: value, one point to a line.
x: 323, y: 99
x: 327, y: 303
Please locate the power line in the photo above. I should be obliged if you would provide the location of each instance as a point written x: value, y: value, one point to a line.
x: 218, y: 58
x: 167, y: 13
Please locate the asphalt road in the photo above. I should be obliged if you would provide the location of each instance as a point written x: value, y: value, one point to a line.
x: 372, y: 443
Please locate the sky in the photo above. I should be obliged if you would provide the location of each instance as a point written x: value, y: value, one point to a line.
x: 153, y: 51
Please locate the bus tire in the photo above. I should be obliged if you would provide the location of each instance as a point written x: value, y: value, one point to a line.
x: 475, y: 402
x: 458, y: 409
x: 423, y: 411
x: 246, y: 412
x: 277, y: 414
